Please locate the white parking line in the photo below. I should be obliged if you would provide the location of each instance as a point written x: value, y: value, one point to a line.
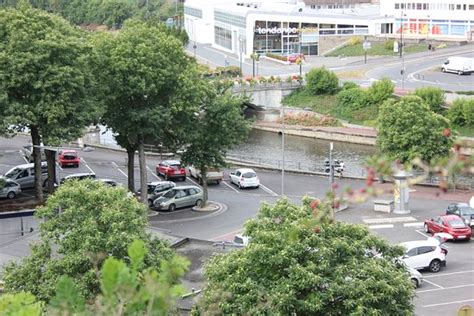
x: 449, y: 303
x: 438, y: 286
x: 446, y: 288
x: 444, y: 274
x: 87, y: 166
x: 389, y: 220
x: 419, y: 224
x: 381, y: 226
x: 22, y: 156
x: 422, y: 234
x: 230, y: 186
x: 118, y: 169
x: 268, y: 190
x: 192, y: 180
x: 151, y: 171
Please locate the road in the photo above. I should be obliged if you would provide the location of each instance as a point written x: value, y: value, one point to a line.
x: 441, y: 294
x: 416, y: 65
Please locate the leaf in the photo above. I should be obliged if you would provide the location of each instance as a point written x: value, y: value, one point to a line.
x: 137, y: 252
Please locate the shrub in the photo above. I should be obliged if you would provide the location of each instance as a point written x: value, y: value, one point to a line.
x: 388, y: 45
x: 461, y: 112
x: 380, y: 91
x: 276, y: 56
x: 433, y: 96
x: 355, y: 40
x: 352, y: 99
x: 321, y: 81
x: 349, y: 85
x: 229, y: 71
x: 310, y: 119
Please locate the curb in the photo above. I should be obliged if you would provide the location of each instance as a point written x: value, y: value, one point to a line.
x: 222, y: 208
x: 211, y: 207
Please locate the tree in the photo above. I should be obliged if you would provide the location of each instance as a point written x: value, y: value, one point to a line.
x: 432, y: 96
x: 461, y: 112
x: 380, y: 91
x: 45, y: 80
x: 86, y: 222
x: 321, y: 81
x: 296, y: 265
x: 408, y: 129
x: 126, y: 289
x: 219, y: 125
x: 144, y: 70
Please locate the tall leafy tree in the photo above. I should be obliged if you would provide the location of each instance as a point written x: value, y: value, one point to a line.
x: 86, y: 223
x: 296, y: 265
x: 218, y: 126
x: 408, y: 129
x: 45, y: 79
x: 144, y: 71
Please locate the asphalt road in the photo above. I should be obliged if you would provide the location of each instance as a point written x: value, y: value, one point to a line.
x: 442, y: 294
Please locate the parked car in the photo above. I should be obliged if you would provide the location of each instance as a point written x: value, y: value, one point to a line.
x: 292, y: 58
x: 450, y: 224
x: 241, y: 240
x: 423, y: 254
x: 78, y: 176
x: 25, y: 175
x: 157, y: 189
x: 109, y: 182
x: 27, y: 152
x: 462, y: 210
x: 10, y: 189
x: 69, y: 158
x: 179, y: 197
x: 415, y: 277
x: 213, y: 175
x: 459, y: 65
x: 245, y: 178
x: 170, y: 169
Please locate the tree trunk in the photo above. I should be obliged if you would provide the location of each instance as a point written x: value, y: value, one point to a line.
x: 131, y: 168
x: 51, y: 160
x: 203, y: 170
x: 143, y: 179
x: 36, y: 141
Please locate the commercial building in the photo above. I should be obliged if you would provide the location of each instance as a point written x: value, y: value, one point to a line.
x: 313, y: 27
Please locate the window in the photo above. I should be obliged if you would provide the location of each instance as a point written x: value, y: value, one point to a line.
x: 411, y: 253
x: 425, y: 6
x: 223, y: 37
x: 425, y: 249
x: 397, y: 6
x: 458, y: 7
x: 193, y: 191
x: 451, y: 7
x: 249, y: 175
x: 193, y: 12
x: 471, y: 7
x: 418, y: 6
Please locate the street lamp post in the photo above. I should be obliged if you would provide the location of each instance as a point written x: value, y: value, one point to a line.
x: 241, y: 48
x: 331, y: 167
x: 258, y: 62
x: 400, y: 47
x: 282, y: 150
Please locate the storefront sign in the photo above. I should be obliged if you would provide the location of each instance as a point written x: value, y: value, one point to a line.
x: 276, y: 30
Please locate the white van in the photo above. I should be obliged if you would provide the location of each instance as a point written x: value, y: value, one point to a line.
x: 25, y: 175
x: 459, y: 65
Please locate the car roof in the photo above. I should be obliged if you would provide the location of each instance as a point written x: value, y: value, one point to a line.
x: 417, y: 243
x: 245, y: 170
x: 460, y: 204
x: 79, y: 175
x: 159, y: 182
x: 172, y: 162
x: 30, y: 165
x: 450, y: 217
x: 183, y: 187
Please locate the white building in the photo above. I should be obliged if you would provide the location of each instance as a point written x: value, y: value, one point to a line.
x: 315, y: 26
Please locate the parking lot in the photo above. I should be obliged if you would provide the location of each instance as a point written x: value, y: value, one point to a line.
x: 441, y: 294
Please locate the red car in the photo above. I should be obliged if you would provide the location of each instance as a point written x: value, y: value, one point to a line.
x: 292, y: 58
x: 450, y: 224
x: 69, y: 158
x: 170, y: 169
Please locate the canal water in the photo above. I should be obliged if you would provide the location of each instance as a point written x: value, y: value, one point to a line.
x: 301, y: 152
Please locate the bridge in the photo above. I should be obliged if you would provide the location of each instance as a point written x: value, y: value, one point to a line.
x: 266, y: 95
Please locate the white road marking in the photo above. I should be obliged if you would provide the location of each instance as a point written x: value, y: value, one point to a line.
x: 447, y: 288
x: 193, y: 181
x: 389, y: 220
x: 268, y: 190
x: 87, y: 166
x: 419, y: 224
x: 60, y: 168
x: 449, y: 303
x: 151, y: 171
x: 381, y: 226
x: 422, y: 234
x: 444, y: 274
x: 118, y: 169
x: 22, y: 156
x: 438, y: 286
x: 230, y: 186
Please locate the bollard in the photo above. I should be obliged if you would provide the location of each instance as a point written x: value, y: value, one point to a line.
x: 21, y: 225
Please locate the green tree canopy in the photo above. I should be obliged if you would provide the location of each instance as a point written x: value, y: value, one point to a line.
x: 408, y: 129
x: 321, y: 81
x: 86, y: 222
x: 292, y: 267
x: 433, y: 96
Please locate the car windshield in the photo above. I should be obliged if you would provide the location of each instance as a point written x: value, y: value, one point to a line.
x: 176, y: 166
x: 13, y: 173
x: 249, y: 175
x: 151, y: 188
x: 70, y: 156
x: 466, y: 210
x: 457, y: 223
x: 169, y: 194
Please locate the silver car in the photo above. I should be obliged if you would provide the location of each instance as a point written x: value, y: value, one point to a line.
x: 177, y: 197
x: 9, y: 188
x: 25, y: 175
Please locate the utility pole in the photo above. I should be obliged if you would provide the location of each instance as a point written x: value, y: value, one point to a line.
x: 331, y: 167
x: 282, y: 150
x: 400, y: 48
x: 241, y: 48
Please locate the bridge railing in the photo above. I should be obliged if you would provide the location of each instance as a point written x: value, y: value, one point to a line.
x: 265, y: 86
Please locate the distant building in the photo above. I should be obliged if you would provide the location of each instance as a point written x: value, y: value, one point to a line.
x: 315, y: 26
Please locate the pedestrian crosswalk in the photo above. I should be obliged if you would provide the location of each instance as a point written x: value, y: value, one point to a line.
x: 391, y: 222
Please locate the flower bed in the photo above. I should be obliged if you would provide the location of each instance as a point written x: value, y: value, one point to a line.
x: 310, y: 119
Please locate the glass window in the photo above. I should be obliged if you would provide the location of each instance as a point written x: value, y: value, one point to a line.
x: 170, y: 194
x: 223, y: 37
x: 327, y: 26
x: 457, y: 223
x: 458, y: 7
x: 411, y: 253
x: 471, y: 7
x: 249, y: 175
x: 425, y: 249
x: 418, y: 6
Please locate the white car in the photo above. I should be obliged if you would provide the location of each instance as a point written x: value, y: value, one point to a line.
x: 213, y: 174
x: 423, y: 254
x: 241, y: 240
x: 415, y: 277
x: 9, y: 188
x: 245, y: 178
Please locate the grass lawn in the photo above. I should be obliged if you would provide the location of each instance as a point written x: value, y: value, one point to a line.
x: 327, y: 104
x: 377, y: 49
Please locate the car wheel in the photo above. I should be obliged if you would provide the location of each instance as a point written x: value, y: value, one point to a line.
x: 183, y: 179
x: 459, y: 72
x: 172, y: 207
x: 77, y: 165
x: 11, y: 195
x: 414, y: 282
x: 435, y: 265
x: 150, y: 203
x: 443, y: 69
x: 240, y: 185
x: 198, y: 202
x: 427, y: 230
x: 218, y: 182
x: 257, y: 187
x: 200, y: 181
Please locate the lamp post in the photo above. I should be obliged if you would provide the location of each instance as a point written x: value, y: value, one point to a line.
x: 400, y: 48
x: 282, y: 149
x: 241, y: 48
x: 255, y: 57
x: 299, y: 62
x: 258, y: 62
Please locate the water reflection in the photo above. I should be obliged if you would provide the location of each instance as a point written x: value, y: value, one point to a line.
x: 301, y: 152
